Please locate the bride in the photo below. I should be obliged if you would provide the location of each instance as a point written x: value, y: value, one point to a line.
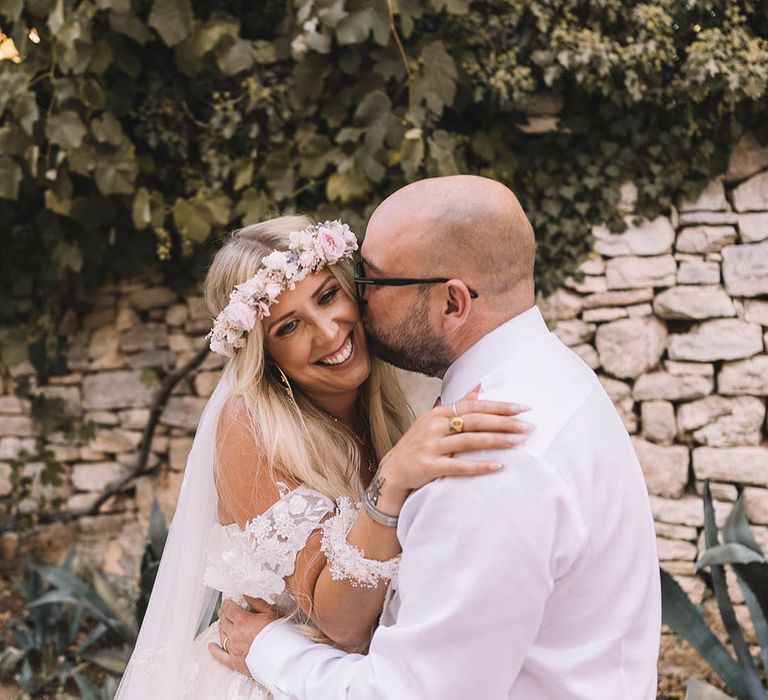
x: 304, y: 422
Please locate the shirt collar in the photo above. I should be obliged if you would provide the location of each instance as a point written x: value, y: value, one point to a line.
x: 502, y: 345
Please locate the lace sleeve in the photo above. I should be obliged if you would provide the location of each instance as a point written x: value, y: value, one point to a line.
x: 347, y: 562
x: 256, y: 560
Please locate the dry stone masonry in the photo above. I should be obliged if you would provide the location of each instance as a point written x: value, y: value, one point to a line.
x: 672, y: 314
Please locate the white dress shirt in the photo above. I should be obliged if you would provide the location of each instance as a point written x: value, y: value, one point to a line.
x: 537, y: 582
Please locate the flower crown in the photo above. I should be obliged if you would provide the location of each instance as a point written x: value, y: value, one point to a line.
x: 309, y: 250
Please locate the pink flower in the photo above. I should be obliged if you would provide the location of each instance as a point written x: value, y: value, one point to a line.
x: 332, y: 243
x: 220, y: 346
x: 241, y: 315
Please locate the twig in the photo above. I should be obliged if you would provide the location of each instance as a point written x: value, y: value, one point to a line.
x: 185, y: 108
x: 158, y: 404
x: 401, y: 48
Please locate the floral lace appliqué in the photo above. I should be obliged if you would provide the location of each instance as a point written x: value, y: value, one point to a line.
x: 347, y: 562
x: 255, y: 561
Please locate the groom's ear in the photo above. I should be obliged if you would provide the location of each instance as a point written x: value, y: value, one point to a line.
x: 456, y: 304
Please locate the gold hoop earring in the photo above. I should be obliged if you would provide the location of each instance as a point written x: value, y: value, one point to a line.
x: 285, y: 383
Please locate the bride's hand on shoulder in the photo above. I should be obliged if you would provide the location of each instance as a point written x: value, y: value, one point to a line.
x: 426, y: 451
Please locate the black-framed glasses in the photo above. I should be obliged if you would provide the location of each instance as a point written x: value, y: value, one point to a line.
x: 361, y: 280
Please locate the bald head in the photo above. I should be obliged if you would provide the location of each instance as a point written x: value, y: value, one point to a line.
x: 461, y: 226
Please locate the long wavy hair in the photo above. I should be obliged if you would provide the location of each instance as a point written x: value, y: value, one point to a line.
x: 295, y: 438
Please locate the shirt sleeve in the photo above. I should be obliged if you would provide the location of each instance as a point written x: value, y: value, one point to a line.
x: 480, y: 557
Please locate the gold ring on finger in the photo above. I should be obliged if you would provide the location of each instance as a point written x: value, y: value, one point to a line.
x: 457, y: 424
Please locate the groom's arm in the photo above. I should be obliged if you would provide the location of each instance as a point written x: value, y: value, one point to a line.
x: 480, y: 557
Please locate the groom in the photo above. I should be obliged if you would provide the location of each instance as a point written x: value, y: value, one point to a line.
x: 537, y: 582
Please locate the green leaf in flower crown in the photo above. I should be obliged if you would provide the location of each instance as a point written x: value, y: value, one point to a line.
x: 10, y: 177
x: 65, y: 129
x: 437, y: 84
x: 172, y: 19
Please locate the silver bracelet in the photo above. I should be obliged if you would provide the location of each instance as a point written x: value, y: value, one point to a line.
x: 375, y: 514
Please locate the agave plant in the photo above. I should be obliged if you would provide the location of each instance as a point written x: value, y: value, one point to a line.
x: 70, y: 628
x: 740, y: 551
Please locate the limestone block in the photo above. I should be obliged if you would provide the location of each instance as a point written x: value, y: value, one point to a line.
x: 160, y: 359
x: 722, y: 492
x: 653, y: 237
x: 721, y: 339
x: 676, y: 532
x: 593, y: 265
x: 198, y: 308
x: 115, y: 441
x: 95, y: 476
x: 108, y: 390
x: 622, y: 298
x: 693, y: 302
x: 753, y: 227
x: 665, y: 468
x: 13, y: 404
x: 183, y: 412
x: 718, y: 421
x: 705, y: 239
x: 607, y: 313
x: 178, y: 451
x: 103, y: 350
x: 575, y: 331
x: 693, y: 587
x: 743, y: 465
x: 687, y: 510
x: 134, y: 419
x: 587, y: 353
x: 658, y: 421
x: 744, y: 377
x: 5, y: 479
x: 675, y: 549
x: 23, y: 426
x: 177, y: 315
x: 681, y: 369
x: 146, y: 336
x: 562, y: 305
x: 205, y: 382
x: 698, y: 272
x: 64, y: 453
x: 752, y: 194
x: 637, y: 272
x: 70, y: 397
x: 621, y: 396
x: 712, y: 198
x: 589, y: 284
x: 756, y: 502
x: 126, y: 318
x: 747, y: 157
x: 708, y: 218
x: 615, y: 389
x: 153, y: 297
x: 197, y: 326
x: 164, y: 488
x: 756, y: 311
x: 631, y: 346
x: 745, y: 269
x: 178, y: 342
x: 639, y: 310
x: 11, y: 446
x: 99, y: 317
x: 656, y: 386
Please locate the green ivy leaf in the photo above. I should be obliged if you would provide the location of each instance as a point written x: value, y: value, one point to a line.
x: 65, y: 129
x: 235, y: 58
x: 116, y: 173
x: 107, y: 129
x: 346, y: 186
x: 172, y: 20
x: 191, y: 220
x: 26, y: 112
x: 10, y: 178
x: 437, y: 85
x: 130, y: 25
x: 11, y: 10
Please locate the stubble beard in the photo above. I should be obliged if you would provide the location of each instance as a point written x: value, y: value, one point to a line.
x: 412, y: 344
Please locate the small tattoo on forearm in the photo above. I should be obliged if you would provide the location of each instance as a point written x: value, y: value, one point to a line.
x: 375, y: 489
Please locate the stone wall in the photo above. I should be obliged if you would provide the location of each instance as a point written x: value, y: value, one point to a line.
x: 672, y: 314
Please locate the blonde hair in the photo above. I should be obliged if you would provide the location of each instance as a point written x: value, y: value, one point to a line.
x: 295, y: 437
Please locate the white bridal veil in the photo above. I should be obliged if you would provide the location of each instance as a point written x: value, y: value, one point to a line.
x: 180, y: 604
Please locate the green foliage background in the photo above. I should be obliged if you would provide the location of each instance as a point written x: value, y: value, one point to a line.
x: 135, y: 131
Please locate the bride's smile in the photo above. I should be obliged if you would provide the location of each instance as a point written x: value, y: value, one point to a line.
x: 315, y: 334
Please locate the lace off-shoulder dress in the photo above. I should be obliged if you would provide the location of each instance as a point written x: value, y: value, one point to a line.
x: 256, y: 560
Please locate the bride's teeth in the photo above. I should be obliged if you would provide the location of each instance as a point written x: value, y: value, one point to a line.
x: 342, y: 356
